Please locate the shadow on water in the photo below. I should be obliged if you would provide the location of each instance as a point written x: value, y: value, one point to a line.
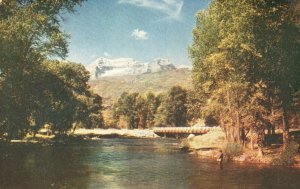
x: 129, y: 163
x: 237, y: 176
x: 38, y: 166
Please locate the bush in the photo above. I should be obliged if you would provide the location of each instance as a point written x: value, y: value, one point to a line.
x: 232, y: 150
x: 184, y: 145
x: 287, y: 155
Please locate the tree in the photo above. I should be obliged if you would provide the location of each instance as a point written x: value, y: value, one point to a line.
x: 62, y: 98
x: 127, y: 106
x: 30, y: 34
x: 173, y: 109
x: 138, y: 110
x: 194, y: 105
x: 220, y: 61
x: 71, y: 96
x: 241, y: 57
x: 278, y: 43
x: 142, y: 112
x: 152, y: 104
x: 95, y: 117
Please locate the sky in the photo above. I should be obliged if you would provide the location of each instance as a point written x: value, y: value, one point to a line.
x: 140, y: 29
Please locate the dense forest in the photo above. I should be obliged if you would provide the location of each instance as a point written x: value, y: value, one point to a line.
x: 133, y: 110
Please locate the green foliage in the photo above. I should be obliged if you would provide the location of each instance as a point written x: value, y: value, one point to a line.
x: 137, y: 110
x: 127, y: 107
x: 220, y: 61
x: 194, y: 105
x: 160, y: 119
x: 287, y: 155
x: 173, y: 109
x: 150, y: 110
x: 152, y: 104
x: 245, y: 63
x: 35, y: 91
x: 232, y: 150
x: 94, y: 109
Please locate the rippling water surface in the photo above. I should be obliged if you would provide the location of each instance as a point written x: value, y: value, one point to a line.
x: 129, y: 163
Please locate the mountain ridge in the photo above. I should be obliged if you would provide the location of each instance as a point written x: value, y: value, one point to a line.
x: 104, y: 67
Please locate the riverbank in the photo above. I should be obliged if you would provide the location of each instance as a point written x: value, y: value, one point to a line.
x: 115, y: 133
x: 87, y: 134
x: 247, y: 157
x: 208, y: 146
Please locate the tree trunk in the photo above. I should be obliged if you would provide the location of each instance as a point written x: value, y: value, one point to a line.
x: 285, y: 129
x: 273, y: 122
x: 251, y: 139
x: 231, y: 133
x: 261, y: 137
x: 273, y: 130
x: 224, y: 127
x: 243, y: 137
x: 238, y: 133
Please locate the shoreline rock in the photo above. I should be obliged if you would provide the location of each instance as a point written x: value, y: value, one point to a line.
x: 213, y: 139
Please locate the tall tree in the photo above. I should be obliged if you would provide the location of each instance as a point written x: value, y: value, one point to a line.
x: 277, y: 40
x: 152, y: 104
x: 246, y: 52
x: 29, y: 34
x: 173, y: 109
x: 127, y: 106
x: 221, y: 53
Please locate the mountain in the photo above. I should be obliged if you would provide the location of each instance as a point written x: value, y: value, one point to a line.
x: 104, y: 67
x: 111, y: 87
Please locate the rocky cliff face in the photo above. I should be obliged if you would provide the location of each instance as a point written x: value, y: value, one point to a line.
x: 126, y: 66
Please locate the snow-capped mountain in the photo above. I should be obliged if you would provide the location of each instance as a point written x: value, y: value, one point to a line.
x: 184, y: 66
x: 102, y: 67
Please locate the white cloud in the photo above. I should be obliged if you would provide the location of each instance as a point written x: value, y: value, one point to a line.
x: 171, y: 8
x: 139, y: 34
x: 106, y: 54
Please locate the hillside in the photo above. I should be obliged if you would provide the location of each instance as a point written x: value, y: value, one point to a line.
x: 110, y: 88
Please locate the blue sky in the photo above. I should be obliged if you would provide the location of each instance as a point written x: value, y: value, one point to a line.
x: 139, y: 29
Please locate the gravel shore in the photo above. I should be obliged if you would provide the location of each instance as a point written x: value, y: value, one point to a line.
x: 135, y: 133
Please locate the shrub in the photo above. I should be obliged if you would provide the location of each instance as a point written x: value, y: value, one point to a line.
x: 232, y: 150
x: 184, y: 145
x: 286, y: 157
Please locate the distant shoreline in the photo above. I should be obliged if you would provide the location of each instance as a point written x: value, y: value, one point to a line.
x: 86, y: 134
x: 115, y: 133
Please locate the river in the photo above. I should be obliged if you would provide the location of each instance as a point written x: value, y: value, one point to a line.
x: 132, y: 164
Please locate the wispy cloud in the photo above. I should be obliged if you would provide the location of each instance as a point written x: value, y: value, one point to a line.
x: 139, y: 34
x: 171, y: 8
x: 106, y: 54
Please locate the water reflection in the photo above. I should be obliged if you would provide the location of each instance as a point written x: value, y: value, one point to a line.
x: 128, y: 163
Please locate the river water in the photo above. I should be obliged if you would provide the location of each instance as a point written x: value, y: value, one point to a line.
x: 132, y: 164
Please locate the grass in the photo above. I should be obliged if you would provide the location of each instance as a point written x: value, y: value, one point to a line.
x: 232, y: 150
x: 287, y: 155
